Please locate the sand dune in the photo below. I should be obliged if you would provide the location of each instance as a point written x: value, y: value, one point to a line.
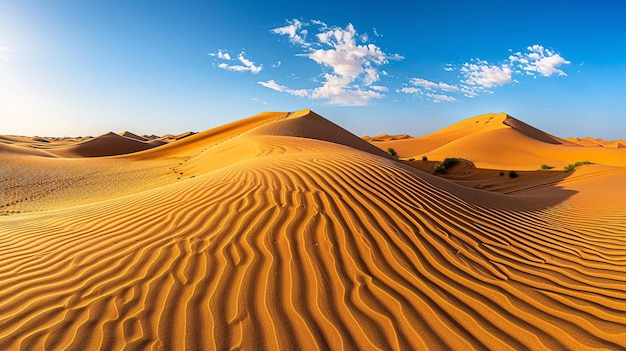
x: 308, y: 124
x: 284, y: 231
x: 20, y: 150
x: 108, y: 144
x: 588, y: 141
x: 130, y: 135
x: 501, y: 142
x: 386, y: 137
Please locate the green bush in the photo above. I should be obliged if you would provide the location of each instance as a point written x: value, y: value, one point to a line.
x: 439, y: 168
x: 571, y: 166
x: 424, y: 158
x: 545, y: 166
x: 513, y: 174
x: 392, y: 152
x: 450, y: 161
x: 447, y: 163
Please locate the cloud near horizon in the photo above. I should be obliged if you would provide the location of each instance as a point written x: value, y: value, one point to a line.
x: 479, y: 76
x: 350, y: 64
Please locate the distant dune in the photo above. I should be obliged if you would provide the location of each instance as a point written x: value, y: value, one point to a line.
x: 501, y: 142
x: 108, y: 144
x: 285, y: 231
x: 130, y: 135
x: 386, y: 137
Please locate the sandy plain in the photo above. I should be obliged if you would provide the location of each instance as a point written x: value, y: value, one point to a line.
x: 285, y: 231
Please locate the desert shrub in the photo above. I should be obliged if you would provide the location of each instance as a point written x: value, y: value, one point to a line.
x: 545, y: 166
x: 513, y: 174
x: 501, y: 174
x: 571, y: 166
x: 392, y: 152
x: 450, y: 161
x: 424, y: 158
x: 439, y: 168
x: 447, y: 163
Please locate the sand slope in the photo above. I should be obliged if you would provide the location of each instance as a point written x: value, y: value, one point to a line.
x: 283, y: 231
x: 108, y: 144
x: 499, y: 141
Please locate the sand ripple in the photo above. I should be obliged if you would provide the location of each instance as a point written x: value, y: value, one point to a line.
x: 311, y: 245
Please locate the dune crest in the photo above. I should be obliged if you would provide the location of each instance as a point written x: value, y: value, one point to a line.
x: 284, y: 231
x: 308, y: 124
x: 130, y: 135
x: 532, y: 132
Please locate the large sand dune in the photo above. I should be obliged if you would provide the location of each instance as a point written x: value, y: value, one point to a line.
x: 499, y: 141
x: 284, y: 231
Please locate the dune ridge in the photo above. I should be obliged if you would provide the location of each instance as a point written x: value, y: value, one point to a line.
x: 531, y: 131
x: 275, y: 240
x: 131, y: 135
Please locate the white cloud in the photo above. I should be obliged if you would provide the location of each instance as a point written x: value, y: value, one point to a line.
x: 379, y: 88
x: 349, y: 70
x: 319, y: 23
x: 338, y: 91
x: 409, y: 90
x: 5, y: 53
x: 441, y: 97
x: 540, y: 60
x: 221, y: 54
x: 294, y: 31
x: 427, y: 91
x: 477, y: 76
x: 423, y: 83
x: 486, y: 75
x: 283, y: 89
x: 248, y: 65
x: 437, y: 92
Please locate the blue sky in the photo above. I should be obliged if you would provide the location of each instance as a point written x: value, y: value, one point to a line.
x: 72, y: 67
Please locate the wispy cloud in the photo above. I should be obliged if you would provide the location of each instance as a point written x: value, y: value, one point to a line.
x: 244, y: 64
x: 349, y: 69
x: 379, y: 88
x: 428, y: 93
x: 283, y: 89
x: 478, y: 77
x: 294, y: 31
x: 5, y: 53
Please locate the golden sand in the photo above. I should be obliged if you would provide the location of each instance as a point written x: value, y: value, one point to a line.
x: 284, y: 231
